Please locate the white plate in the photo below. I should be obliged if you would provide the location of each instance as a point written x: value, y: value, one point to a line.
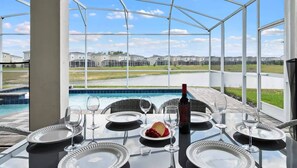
x: 199, y: 117
x: 52, y: 134
x: 142, y: 134
x: 103, y: 154
x: 212, y: 154
x: 262, y: 132
x: 124, y: 117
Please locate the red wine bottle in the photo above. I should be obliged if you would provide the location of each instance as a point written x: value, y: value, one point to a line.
x: 184, y: 112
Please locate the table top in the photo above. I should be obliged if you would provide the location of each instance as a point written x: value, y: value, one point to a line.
x: 280, y: 153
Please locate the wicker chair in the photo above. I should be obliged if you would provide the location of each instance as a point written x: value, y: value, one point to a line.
x: 127, y: 105
x: 196, y: 105
x: 14, y: 130
x: 287, y: 124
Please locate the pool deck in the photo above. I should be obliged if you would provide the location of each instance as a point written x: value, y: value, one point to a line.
x: 21, y: 120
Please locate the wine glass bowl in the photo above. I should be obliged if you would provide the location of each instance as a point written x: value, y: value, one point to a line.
x: 145, y: 105
x: 171, y: 119
x: 93, y: 104
x: 72, y: 119
x: 250, y: 121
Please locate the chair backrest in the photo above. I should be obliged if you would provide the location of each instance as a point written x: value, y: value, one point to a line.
x: 127, y: 105
x: 196, y: 105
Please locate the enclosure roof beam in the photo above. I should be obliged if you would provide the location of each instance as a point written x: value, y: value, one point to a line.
x: 80, y: 4
x: 233, y: 13
x: 14, y: 15
x: 273, y: 24
x: 166, y: 4
x: 142, y: 13
x: 24, y: 2
x: 234, y: 2
x: 185, y: 13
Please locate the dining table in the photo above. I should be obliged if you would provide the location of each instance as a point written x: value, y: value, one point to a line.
x: 145, y: 153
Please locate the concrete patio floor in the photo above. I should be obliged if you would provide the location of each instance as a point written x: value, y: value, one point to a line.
x: 21, y: 120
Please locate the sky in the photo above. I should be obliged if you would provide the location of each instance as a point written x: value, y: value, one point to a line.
x: 147, y: 45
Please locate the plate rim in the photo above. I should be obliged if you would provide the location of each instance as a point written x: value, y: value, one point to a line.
x: 283, y: 135
x: 123, y: 112
x: 30, y: 139
x: 220, y: 144
x: 97, y: 146
x: 142, y: 134
x: 203, y: 114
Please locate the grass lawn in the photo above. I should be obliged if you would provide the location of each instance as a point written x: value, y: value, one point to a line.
x: 251, y: 68
x: 271, y: 96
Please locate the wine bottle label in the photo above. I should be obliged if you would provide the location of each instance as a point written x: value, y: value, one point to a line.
x: 184, y: 113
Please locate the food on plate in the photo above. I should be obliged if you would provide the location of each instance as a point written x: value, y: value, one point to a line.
x: 157, y: 130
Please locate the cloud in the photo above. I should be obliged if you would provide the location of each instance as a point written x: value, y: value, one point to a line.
x: 7, y: 25
x: 200, y: 40
x: 75, y: 15
x: 118, y: 15
x: 130, y: 26
x: 176, y: 31
x: 240, y: 38
x: 79, y: 38
x: 150, y: 12
x: 273, y: 31
x: 92, y: 14
x: 23, y: 43
x: 23, y: 27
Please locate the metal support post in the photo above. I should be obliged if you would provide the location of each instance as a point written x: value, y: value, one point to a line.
x: 222, y: 55
x: 244, y: 53
x: 86, y: 50
x: 209, y: 58
x: 259, y: 106
x: 1, y: 53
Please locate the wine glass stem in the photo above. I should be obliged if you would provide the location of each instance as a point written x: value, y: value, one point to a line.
x: 171, y: 139
x: 72, y: 130
x: 250, y: 138
x: 221, y: 133
x: 172, y: 161
x: 93, y: 135
x: 145, y: 120
x: 93, y: 116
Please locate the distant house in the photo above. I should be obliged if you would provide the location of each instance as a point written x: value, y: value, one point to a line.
x: 10, y: 59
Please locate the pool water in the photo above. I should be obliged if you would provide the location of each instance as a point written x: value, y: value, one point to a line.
x: 105, y: 99
x: 108, y: 98
x: 13, y: 108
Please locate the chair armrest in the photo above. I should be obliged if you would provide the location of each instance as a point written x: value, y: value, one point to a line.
x: 287, y: 124
x: 14, y: 130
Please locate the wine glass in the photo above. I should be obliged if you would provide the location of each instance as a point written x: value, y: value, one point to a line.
x: 72, y: 119
x: 250, y: 120
x: 220, y: 105
x: 93, y: 104
x: 145, y: 105
x: 171, y: 119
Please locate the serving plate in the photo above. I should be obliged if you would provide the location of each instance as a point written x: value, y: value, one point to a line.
x: 52, y: 134
x: 199, y: 117
x: 124, y: 117
x: 142, y: 134
x: 211, y: 154
x: 103, y: 154
x: 261, y: 132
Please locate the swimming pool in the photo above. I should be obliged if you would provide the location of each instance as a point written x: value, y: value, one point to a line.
x: 79, y: 97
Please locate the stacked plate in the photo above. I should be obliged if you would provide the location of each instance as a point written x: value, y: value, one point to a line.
x: 124, y: 117
x: 212, y: 154
x: 52, y: 134
x: 261, y: 132
x: 104, y: 154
